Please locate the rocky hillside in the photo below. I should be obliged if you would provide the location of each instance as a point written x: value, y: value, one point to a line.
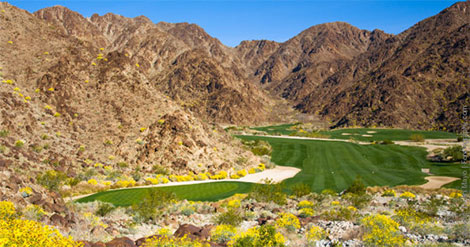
x: 69, y: 105
x: 417, y: 79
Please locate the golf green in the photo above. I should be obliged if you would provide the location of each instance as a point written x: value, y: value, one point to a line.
x: 334, y: 165
x: 363, y: 134
x: 196, y: 192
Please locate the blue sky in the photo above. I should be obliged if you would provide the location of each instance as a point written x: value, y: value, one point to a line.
x: 234, y: 21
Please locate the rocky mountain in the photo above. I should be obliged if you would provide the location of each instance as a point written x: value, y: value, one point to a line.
x: 417, y: 79
x: 68, y: 104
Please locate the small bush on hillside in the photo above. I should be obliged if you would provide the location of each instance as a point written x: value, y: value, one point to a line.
x: 380, y: 230
x: 387, y: 142
x: 154, y: 200
x: 357, y: 187
x: 358, y: 200
x: 104, y: 209
x: 2, y: 149
x: 51, y: 179
x: 158, y: 169
x: 258, y: 147
x: 231, y: 217
x: 122, y: 164
x: 4, y: 133
x: 459, y: 138
x: 269, y: 192
x: 301, y: 189
x: 455, y: 152
x: 417, y: 138
x: 264, y: 235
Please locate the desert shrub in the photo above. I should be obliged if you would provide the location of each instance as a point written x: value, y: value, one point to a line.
x: 314, y: 234
x: 2, y: 149
x: 301, y: 189
x: 231, y: 217
x: 381, y: 230
x: 122, y: 164
x: 459, y: 231
x: 432, y: 205
x: 166, y: 241
x: 258, y: 147
x: 455, y: 152
x: 19, y: 143
x: 459, y: 138
x: 305, y: 204
x: 158, y: 169
x: 358, y: 200
x: 269, y: 192
x: 104, y: 209
x: 387, y: 142
x: 357, y: 187
x: 223, y: 233
x: 7, y: 210
x: 51, y: 179
x: 328, y: 192
x: 33, y: 212
x: 389, y: 192
x: 417, y: 138
x: 152, y: 203
x: 407, y: 195
x: 306, y: 212
x: 4, y: 133
x: 414, y: 221
x: 340, y: 213
x: 288, y: 221
x: 262, y: 236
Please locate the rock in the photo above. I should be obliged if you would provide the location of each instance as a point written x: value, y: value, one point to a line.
x: 191, y: 231
x: 121, y: 242
x: 57, y: 219
x: 141, y: 241
x: 35, y: 199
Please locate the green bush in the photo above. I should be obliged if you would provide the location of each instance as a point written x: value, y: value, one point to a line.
x: 301, y: 189
x: 357, y: 187
x: 455, y: 152
x: 158, y: 169
x: 122, y: 164
x: 258, y: 147
x: 51, y: 179
x: 151, y: 205
x: 104, y: 209
x: 269, y: 192
x: 358, y: 200
x: 231, y: 217
x: 417, y: 138
x: 4, y: 133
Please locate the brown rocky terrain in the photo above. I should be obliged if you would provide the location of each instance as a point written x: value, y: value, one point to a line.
x: 73, y: 105
x: 417, y: 79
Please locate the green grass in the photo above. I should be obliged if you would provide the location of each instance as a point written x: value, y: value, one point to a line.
x: 324, y: 164
x: 356, y: 134
x: 386, y: 134
x: 334, y: 165
x: 196, y: 192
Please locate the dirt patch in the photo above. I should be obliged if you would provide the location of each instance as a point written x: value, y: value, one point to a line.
x: 436, y: 182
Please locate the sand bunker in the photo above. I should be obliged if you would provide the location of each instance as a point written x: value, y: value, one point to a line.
x: 366, y: 135
x: 371, y: 132
x: 345, y: 134
x: 436, y: 182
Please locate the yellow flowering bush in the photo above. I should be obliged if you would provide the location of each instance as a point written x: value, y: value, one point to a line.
x: 161, y: 121
x: 335, y: 203
x: 220, y: 175
x: 33, y: 212
x: 252, y: 170
x: 143, y: 129
x: 18, y: 232
x: 288, y: 221
x: 380, y: 230
x: 234, y: 176
x: 51, y: 89
x: 306, y: 212
x: 124, y: 183
x: 390, y: 192
x: 98, y: 165
x: 153, y: 180
x: 261, y: 166
x: 94, y: 220
x: 166, y: 241
x: 201, y: 176
x: 92, y: 181
x: 265, y: 235
x: 7, y: 210
x: 352, y: 208
x: 305, y: 204
x: 234, y: 204
x: 223, y: 233
x: 56, y: 114
x: 315, y: 233
x: 407, y: 195
x: 108, y: 168
x: 26, y: 190
x: 164, y: 232
x: 242, y: 173
x: 455, y: 195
